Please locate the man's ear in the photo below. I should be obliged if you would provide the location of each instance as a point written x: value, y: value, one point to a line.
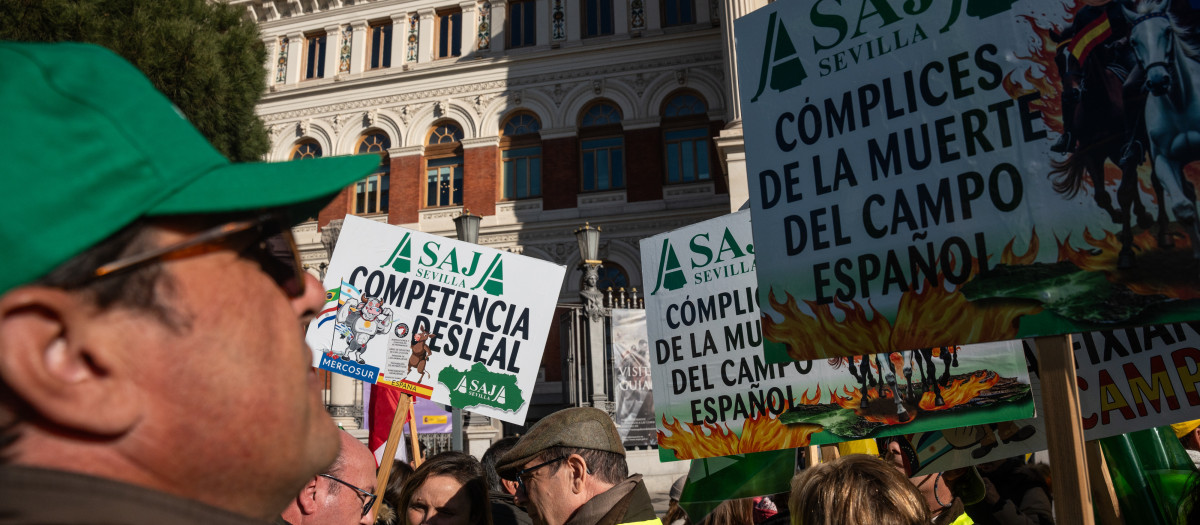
x: 57, y: 357
x: 578, y: 468
x: 307, y: 500
x: 510, y: 487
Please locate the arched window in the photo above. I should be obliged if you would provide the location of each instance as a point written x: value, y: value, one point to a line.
x: 686, y: 138
x: 444, y: 166
x: 602, y: 148
x: 521, y: 157
x: 305, y: 149
x: 371, y: 193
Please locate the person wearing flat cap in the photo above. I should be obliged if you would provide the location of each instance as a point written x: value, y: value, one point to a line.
x: 152, y: 360
x: 570, y: 470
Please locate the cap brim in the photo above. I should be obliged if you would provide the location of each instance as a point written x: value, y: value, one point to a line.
x: 302, y: 185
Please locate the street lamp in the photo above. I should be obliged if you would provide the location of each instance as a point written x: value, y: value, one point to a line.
x: 589, y: 243
x: 466, y: 226
x: 589, y: 252
x: 594, y: 311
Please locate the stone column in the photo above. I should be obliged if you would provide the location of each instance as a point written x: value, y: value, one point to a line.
x: 470, y: 28
x: 574, y: 25
x: 272, y: 46
x: 425, y: 48
x: 499, y: 18
x: 620, y: 17
x: 333, y: 43
x: 594, y: 314
x: 702, y: 12
x: 481, y: 432
x: 360, y: 47
x: 542, y: 21
x: 295, y: 57
x: 654, y: 15
x: 731, y: 144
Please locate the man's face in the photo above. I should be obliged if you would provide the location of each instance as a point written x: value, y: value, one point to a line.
x: 343, y: 505
x: 546, y: 496
x: 234, y: 411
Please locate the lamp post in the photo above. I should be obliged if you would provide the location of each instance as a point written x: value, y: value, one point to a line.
x: 593, y: 308
x: 466, y: 226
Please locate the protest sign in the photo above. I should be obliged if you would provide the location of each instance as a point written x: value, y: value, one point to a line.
x: 437, y: 318
x: 631, y: 378
x: 905, y: 191
x: 715, y: 395
x: 1129, y: 380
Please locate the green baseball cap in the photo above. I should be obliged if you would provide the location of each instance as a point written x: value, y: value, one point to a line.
x: 91, y: 146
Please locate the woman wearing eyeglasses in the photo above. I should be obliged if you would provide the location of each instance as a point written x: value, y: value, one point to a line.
x: 447, y: 489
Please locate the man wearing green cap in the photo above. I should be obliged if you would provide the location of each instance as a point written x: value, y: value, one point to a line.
x: 570, y: 469
x: 152, y: 363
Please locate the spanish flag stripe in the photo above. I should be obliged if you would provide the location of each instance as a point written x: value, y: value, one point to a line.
x: 1091, y: 36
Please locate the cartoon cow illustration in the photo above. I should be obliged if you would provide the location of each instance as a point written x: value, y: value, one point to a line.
x: 364, y: 320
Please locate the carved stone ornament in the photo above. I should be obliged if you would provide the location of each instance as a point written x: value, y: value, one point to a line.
x: 303, y: 126
x: 330, y: 234
x: 593, y: 298
x: 558, y: 93
x: 681, y: 76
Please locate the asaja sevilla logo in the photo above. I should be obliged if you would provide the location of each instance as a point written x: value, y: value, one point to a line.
x: 442, y: 265
x: 711, y: 259
x: 481, y: 386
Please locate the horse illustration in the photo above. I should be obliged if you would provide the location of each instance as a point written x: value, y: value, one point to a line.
x: 887, y: 378
x: 1102, y: 121
x: 420, y: 353
x: 930, y: 381
x: 1164, y: 50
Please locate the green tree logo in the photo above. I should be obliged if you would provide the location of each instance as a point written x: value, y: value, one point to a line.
x: 670, y: 273
x: 401, y: 258
x: 780, y: 62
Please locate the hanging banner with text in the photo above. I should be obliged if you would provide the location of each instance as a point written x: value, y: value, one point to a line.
x: 441, y: 319
x: 925, y: 174
x: 631, y: 378
x: 715, y: 395
x: 1129, y: 380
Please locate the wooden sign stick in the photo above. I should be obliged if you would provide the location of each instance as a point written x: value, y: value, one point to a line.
x: 1108, y: 510
x: 389, y: 450
x: 1064, y: 430
x: 412, y: 430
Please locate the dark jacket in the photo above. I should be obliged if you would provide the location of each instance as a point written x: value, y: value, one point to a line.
x: 1024, y: 498
x: 33, y: 495
x: 506, y: 512
x: 626, y: 503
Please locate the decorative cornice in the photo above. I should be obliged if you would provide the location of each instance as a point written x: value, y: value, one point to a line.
x: 496, y: 87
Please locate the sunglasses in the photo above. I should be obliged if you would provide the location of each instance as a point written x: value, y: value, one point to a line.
x: 266, y: 239
x: 370, y: 496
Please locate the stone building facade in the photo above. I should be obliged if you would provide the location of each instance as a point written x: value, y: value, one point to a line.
x: 538, y: 115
